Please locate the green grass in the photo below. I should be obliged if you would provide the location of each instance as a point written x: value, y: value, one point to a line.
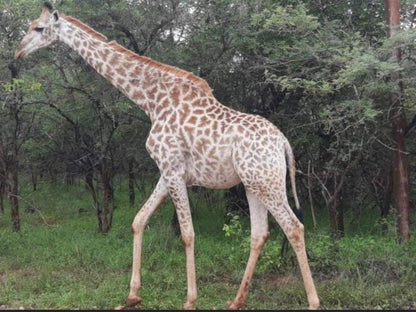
x: 60, y: 261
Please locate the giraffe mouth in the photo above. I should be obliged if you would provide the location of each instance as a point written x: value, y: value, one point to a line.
x: 20, y: 53
x: 23, y: 49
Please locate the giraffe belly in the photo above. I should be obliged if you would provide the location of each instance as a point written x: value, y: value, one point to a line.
x: 219, y: 180
x: 212, y: 175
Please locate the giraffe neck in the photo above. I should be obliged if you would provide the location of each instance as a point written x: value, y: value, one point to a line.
x: 138, y: 77
x: 105, y: 59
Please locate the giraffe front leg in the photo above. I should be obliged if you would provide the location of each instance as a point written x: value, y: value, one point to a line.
x: 188, y: 240
x: 158, y: 196
x: 179, y: 195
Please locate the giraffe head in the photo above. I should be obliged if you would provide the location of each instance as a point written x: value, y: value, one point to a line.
x: 42, y: 32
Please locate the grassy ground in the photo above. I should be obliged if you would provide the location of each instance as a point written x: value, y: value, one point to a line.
x: 60, y: 261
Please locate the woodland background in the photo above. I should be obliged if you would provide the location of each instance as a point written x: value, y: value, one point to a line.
x: 335, y: 76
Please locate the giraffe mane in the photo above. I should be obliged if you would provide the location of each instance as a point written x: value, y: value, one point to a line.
x: 146, y: 60
x: 164, y: 67
x: 84, y: 27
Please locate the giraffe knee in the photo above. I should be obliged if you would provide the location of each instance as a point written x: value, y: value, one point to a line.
x: 260, y: 241
x: 188, y: 239
x: 138, y: 224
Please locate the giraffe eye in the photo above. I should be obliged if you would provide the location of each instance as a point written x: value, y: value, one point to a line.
x: 39, y: 29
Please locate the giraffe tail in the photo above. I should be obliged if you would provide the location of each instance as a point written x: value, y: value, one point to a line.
x: 290, y: 158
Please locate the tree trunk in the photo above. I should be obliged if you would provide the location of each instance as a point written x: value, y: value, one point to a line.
x: 12, y: 154
x: 13, y: 194
x: 336, y: 217
x: 387, y: 195
x: 105, y: 211
x: 132, y: 195
x: 69, y: 177
x: 398, y: 120
x: 336, y: 212
x: 2, y: 191
x: 89, y: 180
x: 34, y: 179
x: 401, y: 176
x: 1, y: 202
x: 388, y: 190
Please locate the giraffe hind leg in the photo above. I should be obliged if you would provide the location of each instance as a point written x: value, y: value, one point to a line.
x: 294, y: 231
x: 259, y: 236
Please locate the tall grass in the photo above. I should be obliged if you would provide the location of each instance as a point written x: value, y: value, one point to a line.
x: 60, y: 261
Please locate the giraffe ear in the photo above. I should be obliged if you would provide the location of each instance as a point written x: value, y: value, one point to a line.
x: 48, y: 6
x: 55, y: 15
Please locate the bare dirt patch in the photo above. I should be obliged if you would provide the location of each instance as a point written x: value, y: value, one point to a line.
x: 278, y: 279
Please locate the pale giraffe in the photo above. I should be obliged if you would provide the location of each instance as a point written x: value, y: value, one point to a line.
x: 194, y: 140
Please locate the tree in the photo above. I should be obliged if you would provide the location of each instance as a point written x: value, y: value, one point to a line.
x: 320, y: 70
x: 16, y: 119
x: 398, y: 120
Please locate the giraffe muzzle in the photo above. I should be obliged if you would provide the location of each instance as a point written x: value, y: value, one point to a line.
x: 20, y: 52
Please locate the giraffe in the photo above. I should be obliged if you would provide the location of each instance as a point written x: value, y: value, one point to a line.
x: 194, y: 140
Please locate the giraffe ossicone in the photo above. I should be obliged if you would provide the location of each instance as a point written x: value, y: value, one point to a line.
x: 194, y: 140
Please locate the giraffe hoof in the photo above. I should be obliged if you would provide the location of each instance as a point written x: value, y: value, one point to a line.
x: 133, y: 300
x: 234, y: 305
x: 120, y: 307
x: 314, y: 306
x: 188, y: 306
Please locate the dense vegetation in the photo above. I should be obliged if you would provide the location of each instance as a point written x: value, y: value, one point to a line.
x: 322, y: 72
x: 72, y: 151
